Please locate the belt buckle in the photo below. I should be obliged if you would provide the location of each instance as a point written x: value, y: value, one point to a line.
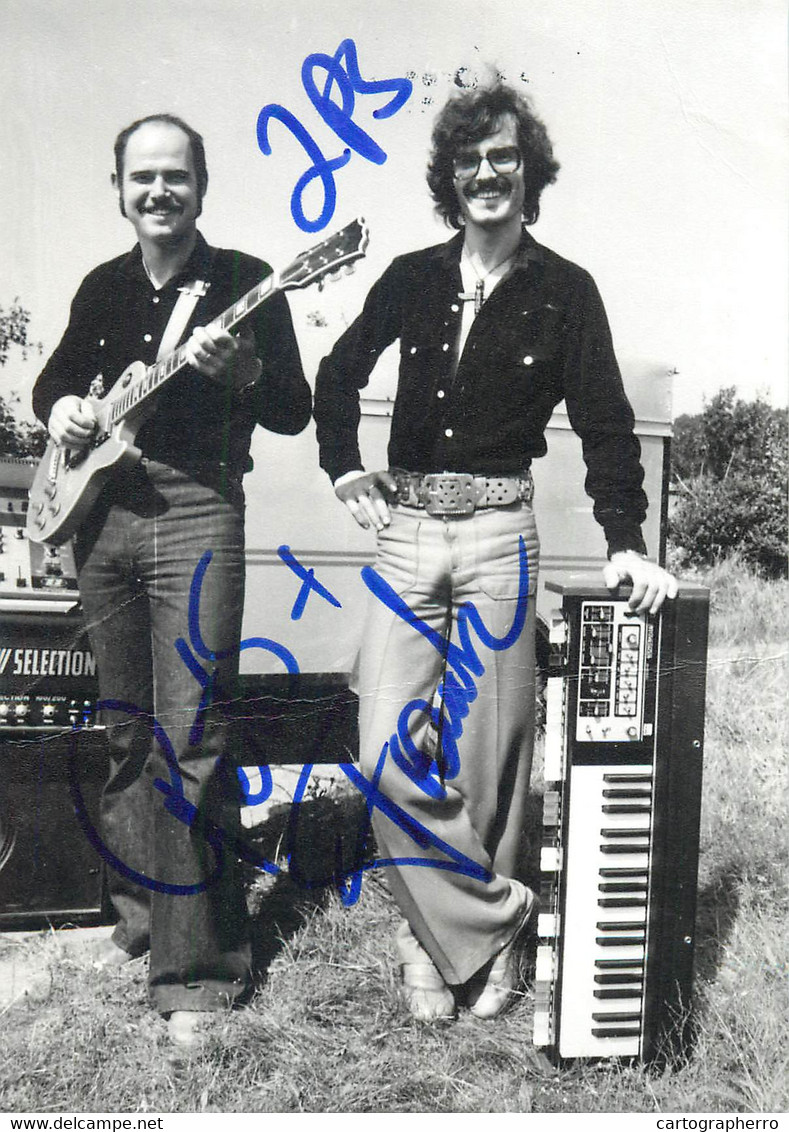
x: 449, y: 493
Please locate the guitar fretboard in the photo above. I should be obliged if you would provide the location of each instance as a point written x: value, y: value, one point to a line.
x: 161, y: 371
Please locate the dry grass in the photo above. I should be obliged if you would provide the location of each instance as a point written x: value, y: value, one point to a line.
x: 327, y: 1031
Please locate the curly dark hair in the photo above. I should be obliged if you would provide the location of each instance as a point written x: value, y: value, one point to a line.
x: 195, y: 140
x: 473, y: 115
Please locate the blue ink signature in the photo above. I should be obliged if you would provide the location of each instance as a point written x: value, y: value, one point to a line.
x: 457, y: 690
x: 339, y: 118
x: 310, y: 584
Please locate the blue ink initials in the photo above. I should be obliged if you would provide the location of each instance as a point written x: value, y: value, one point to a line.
x: 338, y: 116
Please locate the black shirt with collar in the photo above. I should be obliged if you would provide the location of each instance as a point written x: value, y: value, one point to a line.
x: 198, y: 426
x: 541, y: 337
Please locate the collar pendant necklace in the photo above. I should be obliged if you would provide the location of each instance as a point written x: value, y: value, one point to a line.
x: 477, y: 296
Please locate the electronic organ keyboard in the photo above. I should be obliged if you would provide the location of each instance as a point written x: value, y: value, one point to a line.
x: 623, y: 756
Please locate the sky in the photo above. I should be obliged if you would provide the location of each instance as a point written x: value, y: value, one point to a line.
x: 668, y: 118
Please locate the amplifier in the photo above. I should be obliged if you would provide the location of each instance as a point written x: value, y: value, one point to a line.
x: 623, y: 761
x: 29, y: 571
x: 49, y: 872
x: 47, y: 671
x: 48, y: 676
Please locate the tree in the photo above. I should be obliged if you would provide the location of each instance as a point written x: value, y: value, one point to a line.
x: 729, y: 469
x: 17, y: 438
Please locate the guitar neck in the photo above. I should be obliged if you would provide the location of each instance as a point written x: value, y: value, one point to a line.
x: 161, y: 371
x: 308, y: 267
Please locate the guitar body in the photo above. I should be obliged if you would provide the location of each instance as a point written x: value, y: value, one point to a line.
x: 69, y: 480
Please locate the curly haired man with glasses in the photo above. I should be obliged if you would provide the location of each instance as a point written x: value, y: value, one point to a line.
x: 494, y: 331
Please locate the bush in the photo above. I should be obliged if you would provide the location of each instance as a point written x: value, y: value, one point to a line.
x: 716, y: 518
x: 729, y: 468
x: 17, y: 438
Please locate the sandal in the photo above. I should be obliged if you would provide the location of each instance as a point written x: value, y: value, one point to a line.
x: 495, y: 986
x: 426, y: 994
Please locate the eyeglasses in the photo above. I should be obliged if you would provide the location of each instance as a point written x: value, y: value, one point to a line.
x: 507, y: 159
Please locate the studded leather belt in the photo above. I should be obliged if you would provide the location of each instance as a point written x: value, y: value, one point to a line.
x: 460, y: 493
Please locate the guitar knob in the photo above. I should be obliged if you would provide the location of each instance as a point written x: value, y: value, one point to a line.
x: 51, y: 490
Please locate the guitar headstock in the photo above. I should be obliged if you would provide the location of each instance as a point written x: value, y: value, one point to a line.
x: 338, y: 251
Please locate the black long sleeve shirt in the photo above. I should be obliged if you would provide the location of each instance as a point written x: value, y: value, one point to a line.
x: 198, y: 425
x: 540, y: 338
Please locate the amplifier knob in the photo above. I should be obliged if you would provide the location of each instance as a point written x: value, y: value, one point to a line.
x: 22, y: 711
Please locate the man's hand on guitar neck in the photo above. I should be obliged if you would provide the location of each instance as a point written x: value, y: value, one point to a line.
x: 223, y: 357
x: 72, y: 421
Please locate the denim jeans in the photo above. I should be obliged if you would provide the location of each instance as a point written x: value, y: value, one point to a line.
x: 473, y: 798
x: 136, y: 555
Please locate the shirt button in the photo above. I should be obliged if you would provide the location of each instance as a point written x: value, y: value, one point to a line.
x: 155, y: 299
x: 445, y: 346
x: 440, y: 393
x: 146, y: 338
x: 455, y: 308
x: 448, y: 432
x: 527, y: 361
x: 101, y: 341
x: 412, y: 350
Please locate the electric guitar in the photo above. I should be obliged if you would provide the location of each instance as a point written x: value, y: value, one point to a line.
x: 68, y: 480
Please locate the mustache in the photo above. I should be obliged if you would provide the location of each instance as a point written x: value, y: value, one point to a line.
x: 489, y: 184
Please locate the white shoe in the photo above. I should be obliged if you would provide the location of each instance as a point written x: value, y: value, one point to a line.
x: 186, y: 1029
x: 426, y: 994
x: 107, y: 954
x: 491, y: 997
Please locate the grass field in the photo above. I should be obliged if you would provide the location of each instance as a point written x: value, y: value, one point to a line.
x: 327, y: 1031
